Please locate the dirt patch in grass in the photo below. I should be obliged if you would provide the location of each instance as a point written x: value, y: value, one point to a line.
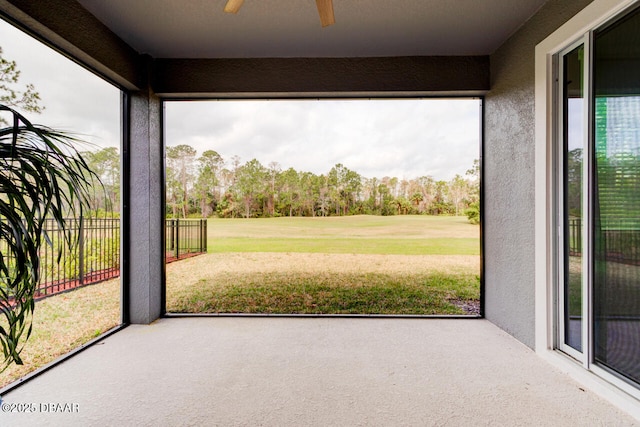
x: 210, y: 265
x: 63, y: 322
x: 323, y: 283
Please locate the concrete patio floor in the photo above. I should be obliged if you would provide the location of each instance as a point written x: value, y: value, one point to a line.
x: 272, y: 371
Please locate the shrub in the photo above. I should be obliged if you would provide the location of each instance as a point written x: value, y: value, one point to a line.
x: 473, y: 213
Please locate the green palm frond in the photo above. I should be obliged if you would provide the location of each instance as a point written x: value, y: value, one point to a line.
x: 42, y: 176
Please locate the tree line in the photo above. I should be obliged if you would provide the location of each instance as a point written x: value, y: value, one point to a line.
x: 209, y: 185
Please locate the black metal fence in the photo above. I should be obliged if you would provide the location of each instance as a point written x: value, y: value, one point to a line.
x: 96, y: 256
x: 575, y: 237
x: 184, y: 238
x: 617, y: 242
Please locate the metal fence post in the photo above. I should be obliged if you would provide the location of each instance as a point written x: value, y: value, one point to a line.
x: 203, y: 235
x: 81, y: 250
x: 172, y: 239
x: 177, y: 241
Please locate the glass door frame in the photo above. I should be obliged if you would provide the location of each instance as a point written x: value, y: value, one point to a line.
x: 583, y: 356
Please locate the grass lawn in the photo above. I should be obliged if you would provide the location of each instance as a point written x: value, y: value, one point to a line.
x: 405, y: 227
x: 358, y: 264
x: 64, y: 322
x: 348, y: 245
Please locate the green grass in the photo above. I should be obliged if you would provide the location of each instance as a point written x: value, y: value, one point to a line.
x: 340, y: 245
x: 391, y: 227
x: 360, y: 234
x: 442, y: 272
x: 365, y: 293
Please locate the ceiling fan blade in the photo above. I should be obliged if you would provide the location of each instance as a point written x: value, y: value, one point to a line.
x: 233, y: 6
x: 325, y: 10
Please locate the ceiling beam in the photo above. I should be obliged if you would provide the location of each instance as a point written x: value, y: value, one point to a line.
x: 282, y: 77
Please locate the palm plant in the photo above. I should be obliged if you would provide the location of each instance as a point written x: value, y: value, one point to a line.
x: 42, y: 176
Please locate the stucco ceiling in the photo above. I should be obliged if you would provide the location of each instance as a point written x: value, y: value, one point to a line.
x: 291, y: 28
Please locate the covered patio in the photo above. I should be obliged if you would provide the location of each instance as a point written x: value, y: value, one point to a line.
x: 508, y: 368
x: 274, y: 371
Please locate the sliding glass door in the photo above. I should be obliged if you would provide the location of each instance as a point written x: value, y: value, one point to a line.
x: 599, y: 199
x: 616, y: 197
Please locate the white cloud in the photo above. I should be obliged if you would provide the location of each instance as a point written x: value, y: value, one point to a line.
x: 402, y: 138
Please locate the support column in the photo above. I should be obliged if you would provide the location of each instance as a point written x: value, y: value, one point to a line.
x: 143, y: 234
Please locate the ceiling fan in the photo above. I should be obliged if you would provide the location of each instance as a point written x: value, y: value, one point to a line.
x: 325, y: 10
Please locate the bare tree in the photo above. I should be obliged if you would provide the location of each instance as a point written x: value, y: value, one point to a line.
x: 25, y: 99
x: 180, y: 164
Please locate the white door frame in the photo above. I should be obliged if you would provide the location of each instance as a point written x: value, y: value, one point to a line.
x: 545, y: 225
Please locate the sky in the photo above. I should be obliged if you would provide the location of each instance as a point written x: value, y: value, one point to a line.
x: 75, y: 100
x: 376, y: 138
